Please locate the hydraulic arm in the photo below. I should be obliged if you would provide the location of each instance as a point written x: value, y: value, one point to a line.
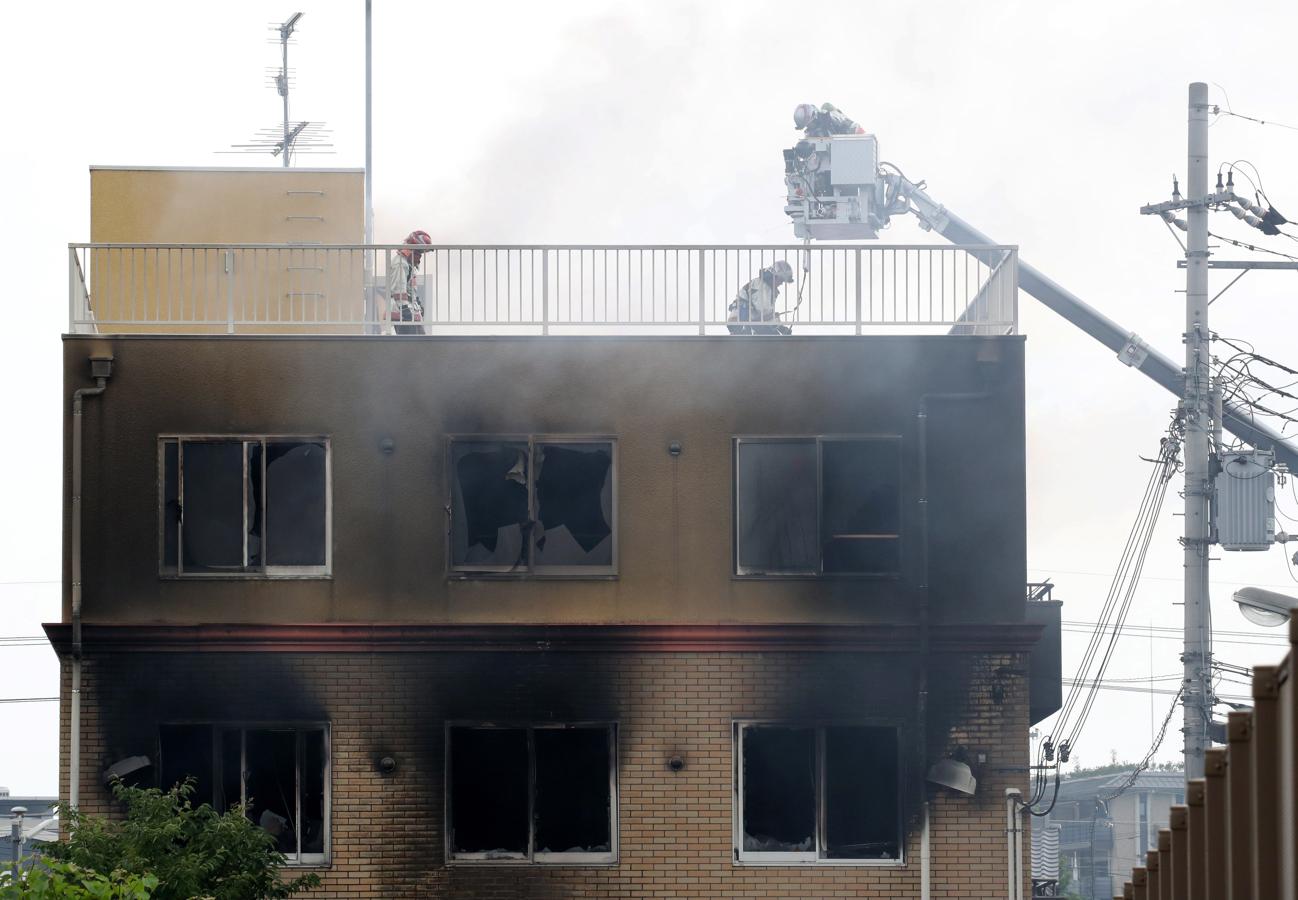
x: 1128, y: 347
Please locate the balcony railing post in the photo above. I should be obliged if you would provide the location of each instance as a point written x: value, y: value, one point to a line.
x: 545, y: 290
x: 72, y: 289
x: 1014, y: 286
x: 229, y: 292
x: 858, y: 290
x: 703, y: 311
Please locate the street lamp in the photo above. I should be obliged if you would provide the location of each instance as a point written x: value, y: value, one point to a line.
x: 1266, y: 608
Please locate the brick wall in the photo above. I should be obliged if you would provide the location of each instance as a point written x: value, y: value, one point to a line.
x: 675, y: 827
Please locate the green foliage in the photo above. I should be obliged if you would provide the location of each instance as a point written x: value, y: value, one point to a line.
x: 194, y: 852
x: 1123, y: 768
x: 1067, y: 889
x: 53, y: 880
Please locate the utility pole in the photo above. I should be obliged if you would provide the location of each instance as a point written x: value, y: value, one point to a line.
x: 1196, y: 410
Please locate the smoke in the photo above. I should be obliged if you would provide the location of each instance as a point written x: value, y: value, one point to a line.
x: 580, y: 154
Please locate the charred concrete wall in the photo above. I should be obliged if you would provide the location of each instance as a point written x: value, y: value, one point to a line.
x: 388, y: 405
x: 675, y: 827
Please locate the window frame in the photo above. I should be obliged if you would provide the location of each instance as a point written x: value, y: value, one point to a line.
x: 262, y: 571
x: 530, y: 570
x: 742, y: 572
x: 533, y: 857
x: 299, y: 727
x: 742, y: 857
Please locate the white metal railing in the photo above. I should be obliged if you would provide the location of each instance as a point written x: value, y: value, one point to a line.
x: 517, y: 289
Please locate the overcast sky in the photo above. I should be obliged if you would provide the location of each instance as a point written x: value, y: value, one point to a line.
x: 1046, y: 125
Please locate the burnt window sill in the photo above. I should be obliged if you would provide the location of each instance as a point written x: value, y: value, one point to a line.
x: 810, y: 576
x: 816, y: 863
x: 611, y: 863
x: 246, y: 576
x: 532, y: 576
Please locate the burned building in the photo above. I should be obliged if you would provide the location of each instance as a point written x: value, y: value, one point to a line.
x: 576, y: 594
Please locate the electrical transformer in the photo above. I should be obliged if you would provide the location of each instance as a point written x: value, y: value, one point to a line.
x: 1246, y: 500
x: 834, y: 191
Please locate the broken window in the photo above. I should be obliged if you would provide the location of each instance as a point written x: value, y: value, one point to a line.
x: 534, y: 505
x: 539, y: 793
x: 806, y: 794
x: 279, y: 774
x: 817, y: 506
x: 244, y: 506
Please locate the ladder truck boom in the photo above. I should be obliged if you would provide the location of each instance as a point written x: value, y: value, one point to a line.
x: 1126, y: 344
x: 838, y: 189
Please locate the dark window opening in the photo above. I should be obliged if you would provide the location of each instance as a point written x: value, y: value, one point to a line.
x: 827, y: 793
x: 861, y: 517
x: 170, y: 504
x: 489, y: 791
x: 862, y: 793
x: 574, y: 504
x: 295, y: 503
x: 212, y: 506
x: 244, y: 506
x: 489, y: 504
x: 528, y: 506
x: 777, y: 506
x: 542, y: 794
x: 573, y: 795
x: 780, y: 789
x: 270, y: 784
x: 186, y: 752
x: 816, y: 506
x: 278, y: 774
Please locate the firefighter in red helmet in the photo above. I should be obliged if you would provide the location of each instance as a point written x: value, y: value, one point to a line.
x: 405, y: 310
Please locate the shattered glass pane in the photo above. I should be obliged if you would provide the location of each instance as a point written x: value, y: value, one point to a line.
x: 779, y: 789
x: 295, y: 503
x: 574, y: 502
x: 489, y: 509
x: 212, y: 503
x: 186, y: 751
x: 572, y: 790
x: 862, y: 784
x: 270, y: 783
x: 489, y: 791
x: 862, y: 506
x: 313, y: 791
x: 776, y: 507
x: 170, y: 504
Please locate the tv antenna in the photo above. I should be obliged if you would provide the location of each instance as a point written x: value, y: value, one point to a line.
x: 292, y: 137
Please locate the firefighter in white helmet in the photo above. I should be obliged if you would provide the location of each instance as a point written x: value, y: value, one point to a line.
x: 404, y: 308
x: 753, y: 309
x: 823, y: 122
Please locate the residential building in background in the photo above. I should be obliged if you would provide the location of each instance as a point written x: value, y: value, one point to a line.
x: 1102, y: 837
x: 40, y: 822
x: 577, y: 594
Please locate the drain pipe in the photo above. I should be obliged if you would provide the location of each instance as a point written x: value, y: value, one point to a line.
x: 1014, y: 833
x: 101, y: 369
x: 925, y: 843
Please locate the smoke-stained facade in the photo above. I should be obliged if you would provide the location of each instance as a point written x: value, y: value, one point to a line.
x: 557, y: 616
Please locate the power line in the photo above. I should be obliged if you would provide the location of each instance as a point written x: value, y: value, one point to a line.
x: 1177, y: 631
x: 28, y: 699
x: 1226, y: 112
x: 1051, y: 570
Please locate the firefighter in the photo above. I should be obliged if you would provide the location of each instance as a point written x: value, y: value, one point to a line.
x: 404, y: 307
x: 823, y: 122
x: 753, y: 309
